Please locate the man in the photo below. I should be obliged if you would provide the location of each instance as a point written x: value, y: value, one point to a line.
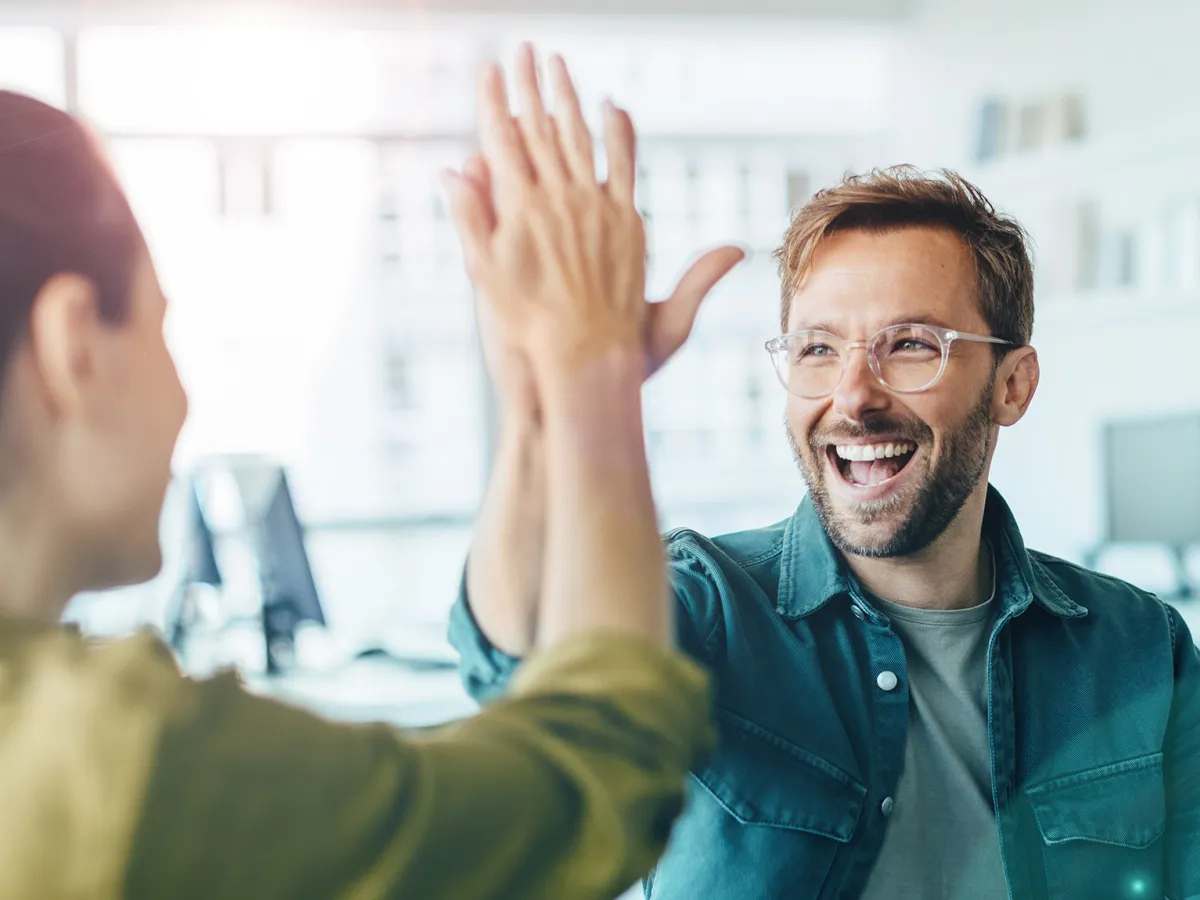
x: 120, y: 778
x: 910, y: 703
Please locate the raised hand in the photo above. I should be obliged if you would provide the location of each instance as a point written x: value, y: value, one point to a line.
x: 554, y: 155
x: 562, y: 265
x: 528, y: 209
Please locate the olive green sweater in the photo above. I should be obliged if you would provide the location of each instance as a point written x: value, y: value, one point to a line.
x: 121, y: 778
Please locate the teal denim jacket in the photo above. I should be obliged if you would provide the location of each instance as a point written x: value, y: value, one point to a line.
x: 1093, y: 717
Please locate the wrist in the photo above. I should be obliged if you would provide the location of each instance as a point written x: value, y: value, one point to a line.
x: 520, y: 443
x: 594, y: 417
x: 518, y: 419
x: 607, y: 379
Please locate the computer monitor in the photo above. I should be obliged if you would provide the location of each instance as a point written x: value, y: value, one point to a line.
x: 285, y: 573
x: 289, y: 593
x: 198, y: 559
x: 1152, y: 481
x: 200, y: 556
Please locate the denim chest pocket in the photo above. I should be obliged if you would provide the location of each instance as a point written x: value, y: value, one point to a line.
x: 766, y: 819
x: 1102, y: 830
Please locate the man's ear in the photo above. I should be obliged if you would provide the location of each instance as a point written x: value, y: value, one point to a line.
x: 1016, y: 382
x: 64, y: 328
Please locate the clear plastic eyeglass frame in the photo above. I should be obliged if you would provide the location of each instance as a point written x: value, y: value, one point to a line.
x: 778, y: 348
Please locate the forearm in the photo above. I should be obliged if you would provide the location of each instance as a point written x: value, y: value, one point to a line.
x: 504, y: 569
x: 605, y: 567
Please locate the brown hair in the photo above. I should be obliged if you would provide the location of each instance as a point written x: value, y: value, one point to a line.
x: 900, y: 196
x: 61, y: 210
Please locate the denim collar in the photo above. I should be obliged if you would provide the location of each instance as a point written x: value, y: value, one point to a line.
x: 812, y: 571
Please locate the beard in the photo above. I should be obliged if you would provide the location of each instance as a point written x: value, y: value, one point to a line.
x: 933, y: 501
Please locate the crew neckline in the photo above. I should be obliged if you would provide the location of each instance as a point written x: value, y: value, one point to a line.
x: 967, y: 616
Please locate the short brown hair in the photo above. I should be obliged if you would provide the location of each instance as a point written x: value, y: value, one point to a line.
x: 886, y: 199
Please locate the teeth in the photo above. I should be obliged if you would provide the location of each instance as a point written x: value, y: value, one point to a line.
x: 868, y: 452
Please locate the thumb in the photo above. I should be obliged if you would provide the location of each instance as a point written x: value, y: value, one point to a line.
x: 470, y: 212
x: 669, y: 323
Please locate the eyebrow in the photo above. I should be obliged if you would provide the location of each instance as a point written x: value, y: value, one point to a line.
x: 917, y: 319
x: 922, y: 319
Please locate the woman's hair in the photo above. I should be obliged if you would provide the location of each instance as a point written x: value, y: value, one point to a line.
x: 61, y: 210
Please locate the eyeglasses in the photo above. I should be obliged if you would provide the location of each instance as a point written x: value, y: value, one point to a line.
x: 906, y: 359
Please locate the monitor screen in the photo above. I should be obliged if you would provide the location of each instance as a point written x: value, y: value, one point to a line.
x: 1152, y: 480
x: 283, y: 559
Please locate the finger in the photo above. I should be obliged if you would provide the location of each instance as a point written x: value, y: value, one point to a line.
x: 470, y: 213
x: 476, y: 168
x: 541, y: 138
x: 578, y: 149
x: 620, y: 144
x: 669, y: 323
x: 477, y: 172
x: 500, y: 138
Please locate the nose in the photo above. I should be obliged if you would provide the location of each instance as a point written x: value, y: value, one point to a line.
x: 859, y: 394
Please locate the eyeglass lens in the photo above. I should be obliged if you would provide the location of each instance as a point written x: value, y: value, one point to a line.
x: 906, y: 358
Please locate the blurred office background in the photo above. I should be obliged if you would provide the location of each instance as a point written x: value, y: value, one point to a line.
x: 281, y: 158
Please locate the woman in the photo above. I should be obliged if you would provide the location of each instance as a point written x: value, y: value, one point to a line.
x: 120, y: 778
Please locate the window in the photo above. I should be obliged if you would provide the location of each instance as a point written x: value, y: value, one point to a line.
x: 388, y: 207
x: 1087, y: 246
x: 389, y: 228
x: 32, y: 61
x: 245, y: 180
x: 173, y: 184
x: 799, y: 189
x: 745, y: 205
x: 398, y: 381
x: 692, y: 175
x: 211, y: 79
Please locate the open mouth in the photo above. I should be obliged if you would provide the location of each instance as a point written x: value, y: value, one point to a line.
x: 868, y: 465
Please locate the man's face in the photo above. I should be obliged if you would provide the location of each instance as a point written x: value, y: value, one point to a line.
x: 941, y: 439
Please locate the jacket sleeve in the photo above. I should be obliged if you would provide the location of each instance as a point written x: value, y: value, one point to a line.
x: 1181, y: 761
x: 486, y: 670
x: 567, y: 788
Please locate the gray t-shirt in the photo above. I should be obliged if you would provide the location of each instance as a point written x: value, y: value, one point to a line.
x: 941, y: 841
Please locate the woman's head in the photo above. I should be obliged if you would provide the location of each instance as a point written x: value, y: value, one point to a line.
x: 90, y: 403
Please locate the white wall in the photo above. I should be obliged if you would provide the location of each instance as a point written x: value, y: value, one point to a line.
x: 1136, y: 62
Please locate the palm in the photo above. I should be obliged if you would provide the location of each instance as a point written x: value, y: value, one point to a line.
x: 667, y: 323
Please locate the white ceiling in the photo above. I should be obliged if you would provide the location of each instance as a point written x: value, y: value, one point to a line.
x: 68, y: 11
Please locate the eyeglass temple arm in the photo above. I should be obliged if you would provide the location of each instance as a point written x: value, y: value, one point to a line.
x: 978, y: 338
